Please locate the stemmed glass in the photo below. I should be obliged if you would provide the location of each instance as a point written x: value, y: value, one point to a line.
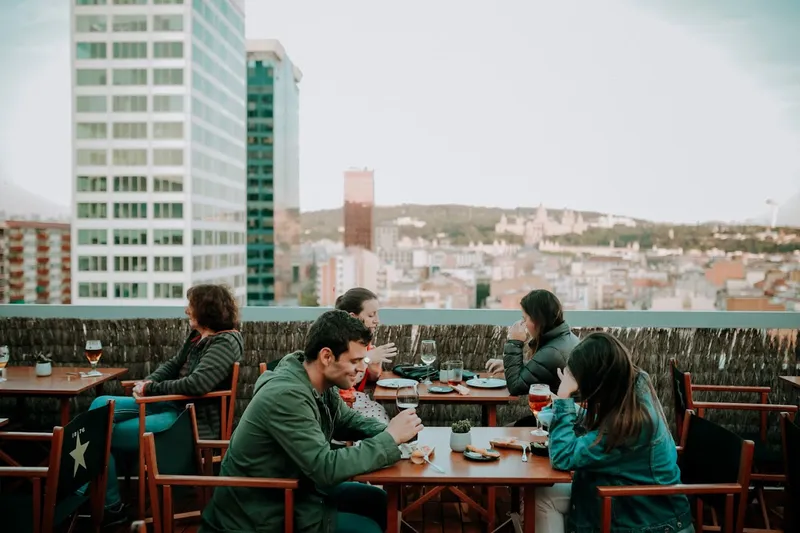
x: 428, y: 356
x: 4, y: 356
x: 408, y: 398
x: 538, y: 398
x: 94, y: 351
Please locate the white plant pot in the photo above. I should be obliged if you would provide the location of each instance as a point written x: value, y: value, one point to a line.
x: 460, y: 441
x: 44, y: 369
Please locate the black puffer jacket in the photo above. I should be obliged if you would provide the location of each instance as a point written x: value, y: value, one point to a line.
x: 552, y: 354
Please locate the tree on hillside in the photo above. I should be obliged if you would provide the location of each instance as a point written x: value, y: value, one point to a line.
x: 309, y: 296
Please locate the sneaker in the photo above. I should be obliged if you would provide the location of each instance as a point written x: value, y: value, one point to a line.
x: 116, y: 515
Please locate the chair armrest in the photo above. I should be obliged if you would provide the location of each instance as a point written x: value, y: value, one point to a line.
x: 23, y: 471
x: 732, y: 406
x: 227, y: 481
x: 214, y: 444
x: 669, y: 490
x: 180, y: 397
x: 24, y: 435
x: 730, y: 388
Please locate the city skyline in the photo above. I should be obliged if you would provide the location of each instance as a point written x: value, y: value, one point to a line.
x: 712, y: 132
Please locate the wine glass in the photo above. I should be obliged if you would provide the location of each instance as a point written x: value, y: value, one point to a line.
x: 538, y: 398
x: 4, y: 356
x: 94, y: 351
x: 428, y: 356
x: 408, y: 398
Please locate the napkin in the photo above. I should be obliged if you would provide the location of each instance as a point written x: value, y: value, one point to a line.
x: 461, y: 389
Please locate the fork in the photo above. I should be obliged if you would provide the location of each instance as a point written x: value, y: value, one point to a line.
x: 437, y: 468
x: 524, y: 454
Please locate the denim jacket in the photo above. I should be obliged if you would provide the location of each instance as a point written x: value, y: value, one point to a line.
x: 652, y: 460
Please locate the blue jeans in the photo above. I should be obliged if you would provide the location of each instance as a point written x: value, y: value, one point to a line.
x: 125, y: 435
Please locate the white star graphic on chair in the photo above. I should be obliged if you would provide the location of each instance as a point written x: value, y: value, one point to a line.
x: 78, y: 454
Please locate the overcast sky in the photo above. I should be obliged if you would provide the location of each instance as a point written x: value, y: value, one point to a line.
x: 683, y: 114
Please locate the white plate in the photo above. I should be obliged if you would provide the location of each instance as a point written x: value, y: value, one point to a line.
x: 396, y: 383
x: 487, y: 383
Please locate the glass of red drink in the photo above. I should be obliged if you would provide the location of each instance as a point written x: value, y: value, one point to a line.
x: 538, y: 398
x: 454, y: 372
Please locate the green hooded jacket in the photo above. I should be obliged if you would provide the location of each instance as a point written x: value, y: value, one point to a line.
x: 286, y: 432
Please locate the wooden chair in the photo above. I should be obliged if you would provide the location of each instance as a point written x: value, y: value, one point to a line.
x: 170, y: 466
x: 790, y: 435
x: 715, y: 469
x: 227, y: 400
x: 79, y: 453
x: 766, y: 458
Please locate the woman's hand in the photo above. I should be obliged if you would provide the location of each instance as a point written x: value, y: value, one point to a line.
x: 518, y: 332
x: 138, y: 388
x: 495, y: 366
x: 568, y: 385
x: 382, y: 354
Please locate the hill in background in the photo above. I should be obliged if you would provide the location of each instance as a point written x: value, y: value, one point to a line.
x: 462, y: 223
x: 16, y: 202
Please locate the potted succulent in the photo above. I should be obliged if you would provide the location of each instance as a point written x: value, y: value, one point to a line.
x: 460, y: 437
x: 44, y: 365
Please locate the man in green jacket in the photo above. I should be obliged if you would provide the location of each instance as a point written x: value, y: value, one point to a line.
x: 286, y: 432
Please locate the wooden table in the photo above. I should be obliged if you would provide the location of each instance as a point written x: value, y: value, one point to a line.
x: 64, y: 383
x: 488, y: 399
x: 509, y: 470
x: 794, y: 381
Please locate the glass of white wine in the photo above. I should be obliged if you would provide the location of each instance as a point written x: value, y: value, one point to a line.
x: 408, y: 398
x: 4, y: 356
x: 428, y: 356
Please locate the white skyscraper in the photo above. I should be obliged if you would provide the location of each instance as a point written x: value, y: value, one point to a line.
x: 159, y: 137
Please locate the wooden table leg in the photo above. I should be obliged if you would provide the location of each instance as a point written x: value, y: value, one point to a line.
x: 489, y: 415
x: 529, y: 516
x: 64, y: 410
x: 392, y: 511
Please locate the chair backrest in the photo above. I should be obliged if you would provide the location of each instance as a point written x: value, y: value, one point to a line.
x: 176, y: 446
x: 681, y: 393
x: 227, y: 427
x: 85, y: 449
x: 262, y: 367
x: 790, y: 434
x: 713, y: 454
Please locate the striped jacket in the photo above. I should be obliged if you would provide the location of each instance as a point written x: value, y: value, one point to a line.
x: 201, y: 366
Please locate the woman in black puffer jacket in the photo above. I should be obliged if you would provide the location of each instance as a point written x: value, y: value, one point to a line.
x: 551, y: 341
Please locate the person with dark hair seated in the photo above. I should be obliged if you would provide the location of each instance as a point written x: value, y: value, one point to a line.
x: 286, y: 432
x: 203, y: 364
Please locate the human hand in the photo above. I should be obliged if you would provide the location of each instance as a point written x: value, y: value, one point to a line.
x: 138, y: 389
x: 405, y: 426
x: 495, y: 366
x: 518, y: 331
x: 568, y: 385
x: 382, y: 354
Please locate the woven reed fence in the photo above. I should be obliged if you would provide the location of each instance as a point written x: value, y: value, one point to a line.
x: 726, y: 356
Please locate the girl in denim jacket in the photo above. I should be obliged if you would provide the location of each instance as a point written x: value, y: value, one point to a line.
x: 624, y: 441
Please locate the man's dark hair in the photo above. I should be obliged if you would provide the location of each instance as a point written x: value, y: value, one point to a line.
x: 335, y: 330
x: 214, y: 307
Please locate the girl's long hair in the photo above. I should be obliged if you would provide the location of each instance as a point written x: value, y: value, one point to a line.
x: 607, y: 382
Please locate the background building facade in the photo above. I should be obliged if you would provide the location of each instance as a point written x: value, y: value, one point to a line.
x: 34, y: 262
x: 359, y: 202
x: 159, y: 122
x: 273, y: 175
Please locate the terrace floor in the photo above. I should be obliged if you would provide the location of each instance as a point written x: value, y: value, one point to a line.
x: 442, y: 515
